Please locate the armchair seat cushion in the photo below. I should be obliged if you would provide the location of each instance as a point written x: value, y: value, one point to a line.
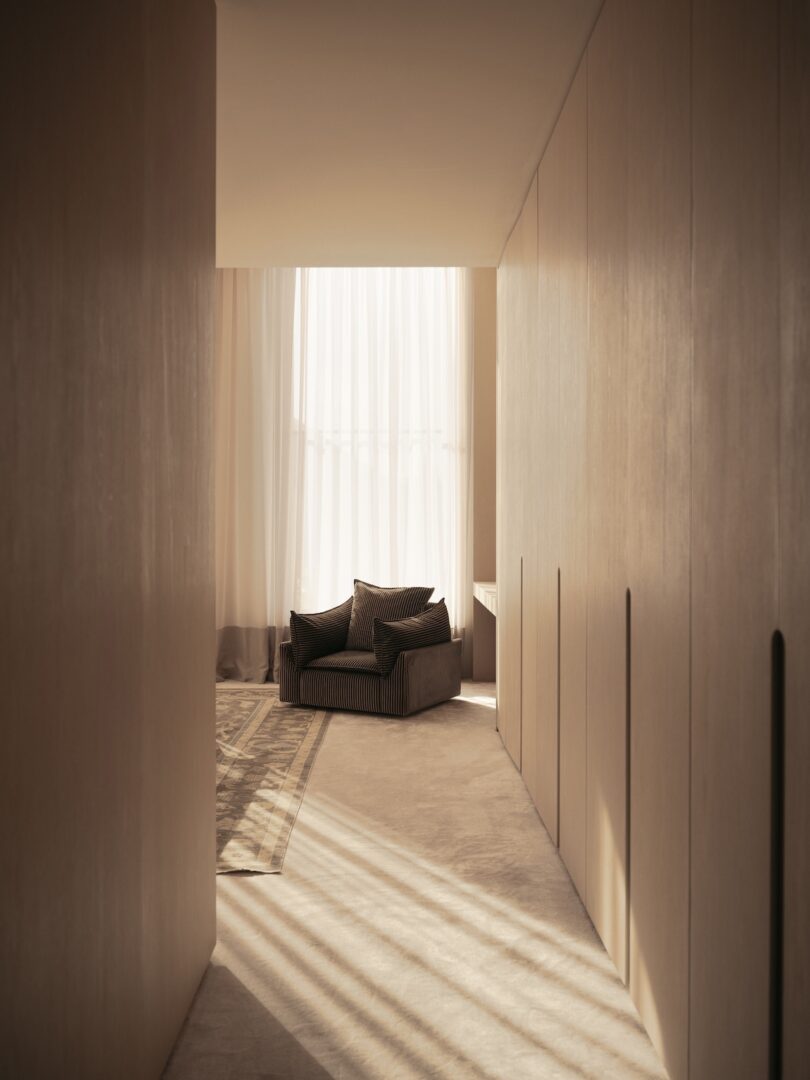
x: 347, y: 680
x: 347, y: 660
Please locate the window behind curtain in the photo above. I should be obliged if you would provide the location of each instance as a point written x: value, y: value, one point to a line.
x: 341, y: 449
x: 380, y: 364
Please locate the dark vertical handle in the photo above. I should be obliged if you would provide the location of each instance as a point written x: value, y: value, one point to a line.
x: 777, y: 852
x: 558, y: 706
x: 628, y: 749
x: 520, y: 712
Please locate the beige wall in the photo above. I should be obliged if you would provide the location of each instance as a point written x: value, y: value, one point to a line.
x: 654, y: 293
x: 484, y: 425
x: 484, y: 464
x: 107, y: 792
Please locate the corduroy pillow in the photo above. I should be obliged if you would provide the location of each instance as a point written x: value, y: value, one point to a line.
x: 372, y: 602
x: 319, y: 634
x: 430, y: 627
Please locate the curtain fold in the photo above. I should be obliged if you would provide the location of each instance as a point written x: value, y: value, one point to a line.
x: 342, y: 444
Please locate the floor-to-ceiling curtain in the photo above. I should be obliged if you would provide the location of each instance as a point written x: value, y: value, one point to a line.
x: 342, y: 445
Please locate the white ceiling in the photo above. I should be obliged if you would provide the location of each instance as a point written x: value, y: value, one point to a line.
x: 363, y: 133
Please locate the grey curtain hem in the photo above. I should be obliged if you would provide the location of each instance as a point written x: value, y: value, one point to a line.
x: 249, y: 653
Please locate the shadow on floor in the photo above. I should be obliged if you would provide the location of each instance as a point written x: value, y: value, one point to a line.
x: 233, y: 1037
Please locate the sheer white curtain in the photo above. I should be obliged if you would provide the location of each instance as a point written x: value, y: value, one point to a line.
x: 342, y: 445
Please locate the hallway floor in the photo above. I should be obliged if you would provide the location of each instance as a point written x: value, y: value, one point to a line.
x: 424, y: 926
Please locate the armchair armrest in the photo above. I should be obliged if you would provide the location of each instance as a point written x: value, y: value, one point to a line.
x: 422, y: 677
x: 288, y: 678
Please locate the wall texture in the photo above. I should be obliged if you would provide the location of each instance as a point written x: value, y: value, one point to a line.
x: 484, y: 284
x: 517, y: 333
x: 794, y: 510
x: 654, y: 390
x: 484, y: 466
x: 107, y: 794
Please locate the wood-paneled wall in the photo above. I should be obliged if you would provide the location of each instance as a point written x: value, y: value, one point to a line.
x: 107, y: 822
x: 607, y: 427
x: 735, y: 334
x: 655, y: 62
x: 794, y: 515
x: 517, y: 335
x: 565, y: 180
x: 667, y: 486
x: 559, y: 534
x: 540, y: 753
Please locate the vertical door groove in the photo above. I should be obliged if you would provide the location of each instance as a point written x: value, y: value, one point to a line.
x: 777, y: 851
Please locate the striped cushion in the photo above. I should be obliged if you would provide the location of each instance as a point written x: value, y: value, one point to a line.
x: 319, y: 634
x: 354, y: 660
x: 374, y: 602
x: 430, y: 627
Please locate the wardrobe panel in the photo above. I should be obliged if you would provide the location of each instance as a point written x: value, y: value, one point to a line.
x: 517, y: 289
x: 107, y: 803
x: 656, y: 68
x: 734, y: 541
x: 567, y: 176
x: 525, y: 479
x: 794, y: 530
x: 507, y: 627
x: 540, y: 656
x: 607, y: 481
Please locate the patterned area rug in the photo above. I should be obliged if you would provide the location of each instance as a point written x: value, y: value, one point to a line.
x: 265, y: 752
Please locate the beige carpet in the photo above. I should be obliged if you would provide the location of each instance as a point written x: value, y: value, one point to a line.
x: 424, y: 926
x: 265, y: 752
